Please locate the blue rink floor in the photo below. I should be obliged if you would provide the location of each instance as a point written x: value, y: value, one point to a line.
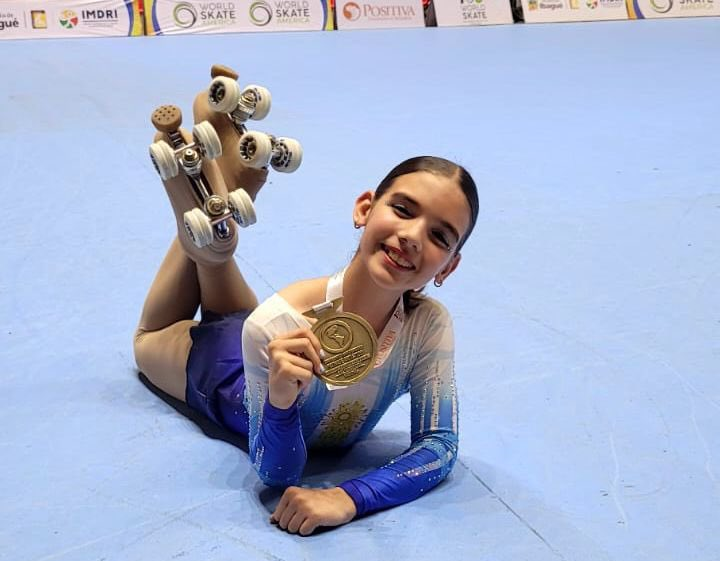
x: 587, y: 305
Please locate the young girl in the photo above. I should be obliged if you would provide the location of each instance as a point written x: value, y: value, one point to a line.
x: 253, y: 369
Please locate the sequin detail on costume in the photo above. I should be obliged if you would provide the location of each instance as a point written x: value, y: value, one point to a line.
x: 340, y: 422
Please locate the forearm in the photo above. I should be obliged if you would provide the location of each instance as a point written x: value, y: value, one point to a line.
x: 278, y: 449
x: 403, y: 479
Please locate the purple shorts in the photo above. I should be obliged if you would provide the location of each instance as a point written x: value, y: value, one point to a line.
x: 215, y: 373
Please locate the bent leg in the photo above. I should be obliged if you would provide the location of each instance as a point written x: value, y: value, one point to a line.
x: 162, y: 356
x: 162, y: 341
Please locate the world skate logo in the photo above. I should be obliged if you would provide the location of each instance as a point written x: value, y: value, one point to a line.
x: 204, y: 14
x: 661, y: 6
x: 351, y: 11
x: 473, y: 11
x: 260, y: 13
x: 185, y: 15
x: 68, y: 19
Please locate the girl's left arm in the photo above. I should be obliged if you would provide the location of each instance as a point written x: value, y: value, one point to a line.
x: 434, y: 421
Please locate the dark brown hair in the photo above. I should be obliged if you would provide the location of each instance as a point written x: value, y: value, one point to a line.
x: 444, y: 168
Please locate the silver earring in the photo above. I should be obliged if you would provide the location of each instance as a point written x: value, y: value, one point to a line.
x: 357, y: 226
x: 437, y: 283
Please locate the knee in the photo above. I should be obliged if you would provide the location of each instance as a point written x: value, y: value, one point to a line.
x: 138, y: 347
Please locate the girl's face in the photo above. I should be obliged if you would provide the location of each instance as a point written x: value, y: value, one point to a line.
x: 412, y: 232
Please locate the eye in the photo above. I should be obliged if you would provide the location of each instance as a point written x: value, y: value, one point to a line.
x: 401, y: 209
x: 442, y: 239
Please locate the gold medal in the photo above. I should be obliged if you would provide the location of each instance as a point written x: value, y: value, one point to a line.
x: 349, y: 343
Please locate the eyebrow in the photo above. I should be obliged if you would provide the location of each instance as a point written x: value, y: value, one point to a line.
x: 444, y: 223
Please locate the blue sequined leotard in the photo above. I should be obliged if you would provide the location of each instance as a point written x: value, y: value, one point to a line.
x: 420, y: 362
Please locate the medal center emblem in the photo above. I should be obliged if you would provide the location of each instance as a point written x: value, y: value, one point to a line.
x: 336, y: 336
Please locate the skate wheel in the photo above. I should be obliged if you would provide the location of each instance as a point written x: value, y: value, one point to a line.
x: 242, y: 208
x: 205, y: 136
x: 288, y: 155
x: 255, y: 149
x: 198, y: 227
x: 262, y: 100
x: 163, y: 158
x: 223, y: 94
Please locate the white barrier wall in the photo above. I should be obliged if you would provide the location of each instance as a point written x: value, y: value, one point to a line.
x: 545, y: 11
x: 165, y: 17
x: 472, y: 12
x: 23, y: 19
x: 641, y: 9
x: 368, y: 14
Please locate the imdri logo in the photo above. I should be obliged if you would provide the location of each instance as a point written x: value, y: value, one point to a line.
x: 351, y: 11
x: 185, y: 15
x: 661, y: 6
x: 260, y: 13
x: 68, y: 19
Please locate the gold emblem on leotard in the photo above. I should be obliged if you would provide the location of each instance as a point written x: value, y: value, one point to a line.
x: 349, y: 343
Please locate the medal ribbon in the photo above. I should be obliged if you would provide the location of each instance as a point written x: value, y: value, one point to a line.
x: 389, y: 335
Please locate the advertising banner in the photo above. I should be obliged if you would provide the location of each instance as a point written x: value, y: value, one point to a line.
x: 472, y: 12
x: 544, y: 11
x: 641, y: 9
x: 165, y: 17
x: 23, y: 19
x: 369, y: 14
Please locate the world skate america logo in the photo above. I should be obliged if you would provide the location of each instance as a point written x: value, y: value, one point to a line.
x: 204, y: 14
x: 284, y: 12
x: 661, y: 6
x: 260, y: 13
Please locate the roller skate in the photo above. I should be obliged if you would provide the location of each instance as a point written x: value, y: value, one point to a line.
x: 196, y: 188
x: 248, y: 153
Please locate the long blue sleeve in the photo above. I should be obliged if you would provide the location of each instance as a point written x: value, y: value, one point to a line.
x: 423, y: 466
x: 278, y: 450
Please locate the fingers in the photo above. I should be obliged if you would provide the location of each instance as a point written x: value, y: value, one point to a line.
x: 308, y: 527
x: 291, y: 513
x: 301, y: 342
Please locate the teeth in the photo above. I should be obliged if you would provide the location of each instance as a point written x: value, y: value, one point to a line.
x: 397, y: 258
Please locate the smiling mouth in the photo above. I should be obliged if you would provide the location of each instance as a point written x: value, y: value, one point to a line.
x: 397, y: 258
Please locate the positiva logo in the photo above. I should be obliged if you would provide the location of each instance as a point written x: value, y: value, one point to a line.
x: 68, y: 19
x: 661, y: 6
x: 260, y: 13
x: 351, y: 11
x: 185, y: 15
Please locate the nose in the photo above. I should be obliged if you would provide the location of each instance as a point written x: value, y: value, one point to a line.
x: 411, y: 235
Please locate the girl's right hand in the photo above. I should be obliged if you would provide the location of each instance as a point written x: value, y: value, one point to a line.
x: 294, y: 359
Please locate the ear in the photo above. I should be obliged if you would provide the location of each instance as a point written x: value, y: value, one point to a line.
x: 363, y: 206
x: 449, y: 268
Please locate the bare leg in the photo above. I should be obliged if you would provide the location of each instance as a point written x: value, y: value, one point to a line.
x: 162, y: 340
